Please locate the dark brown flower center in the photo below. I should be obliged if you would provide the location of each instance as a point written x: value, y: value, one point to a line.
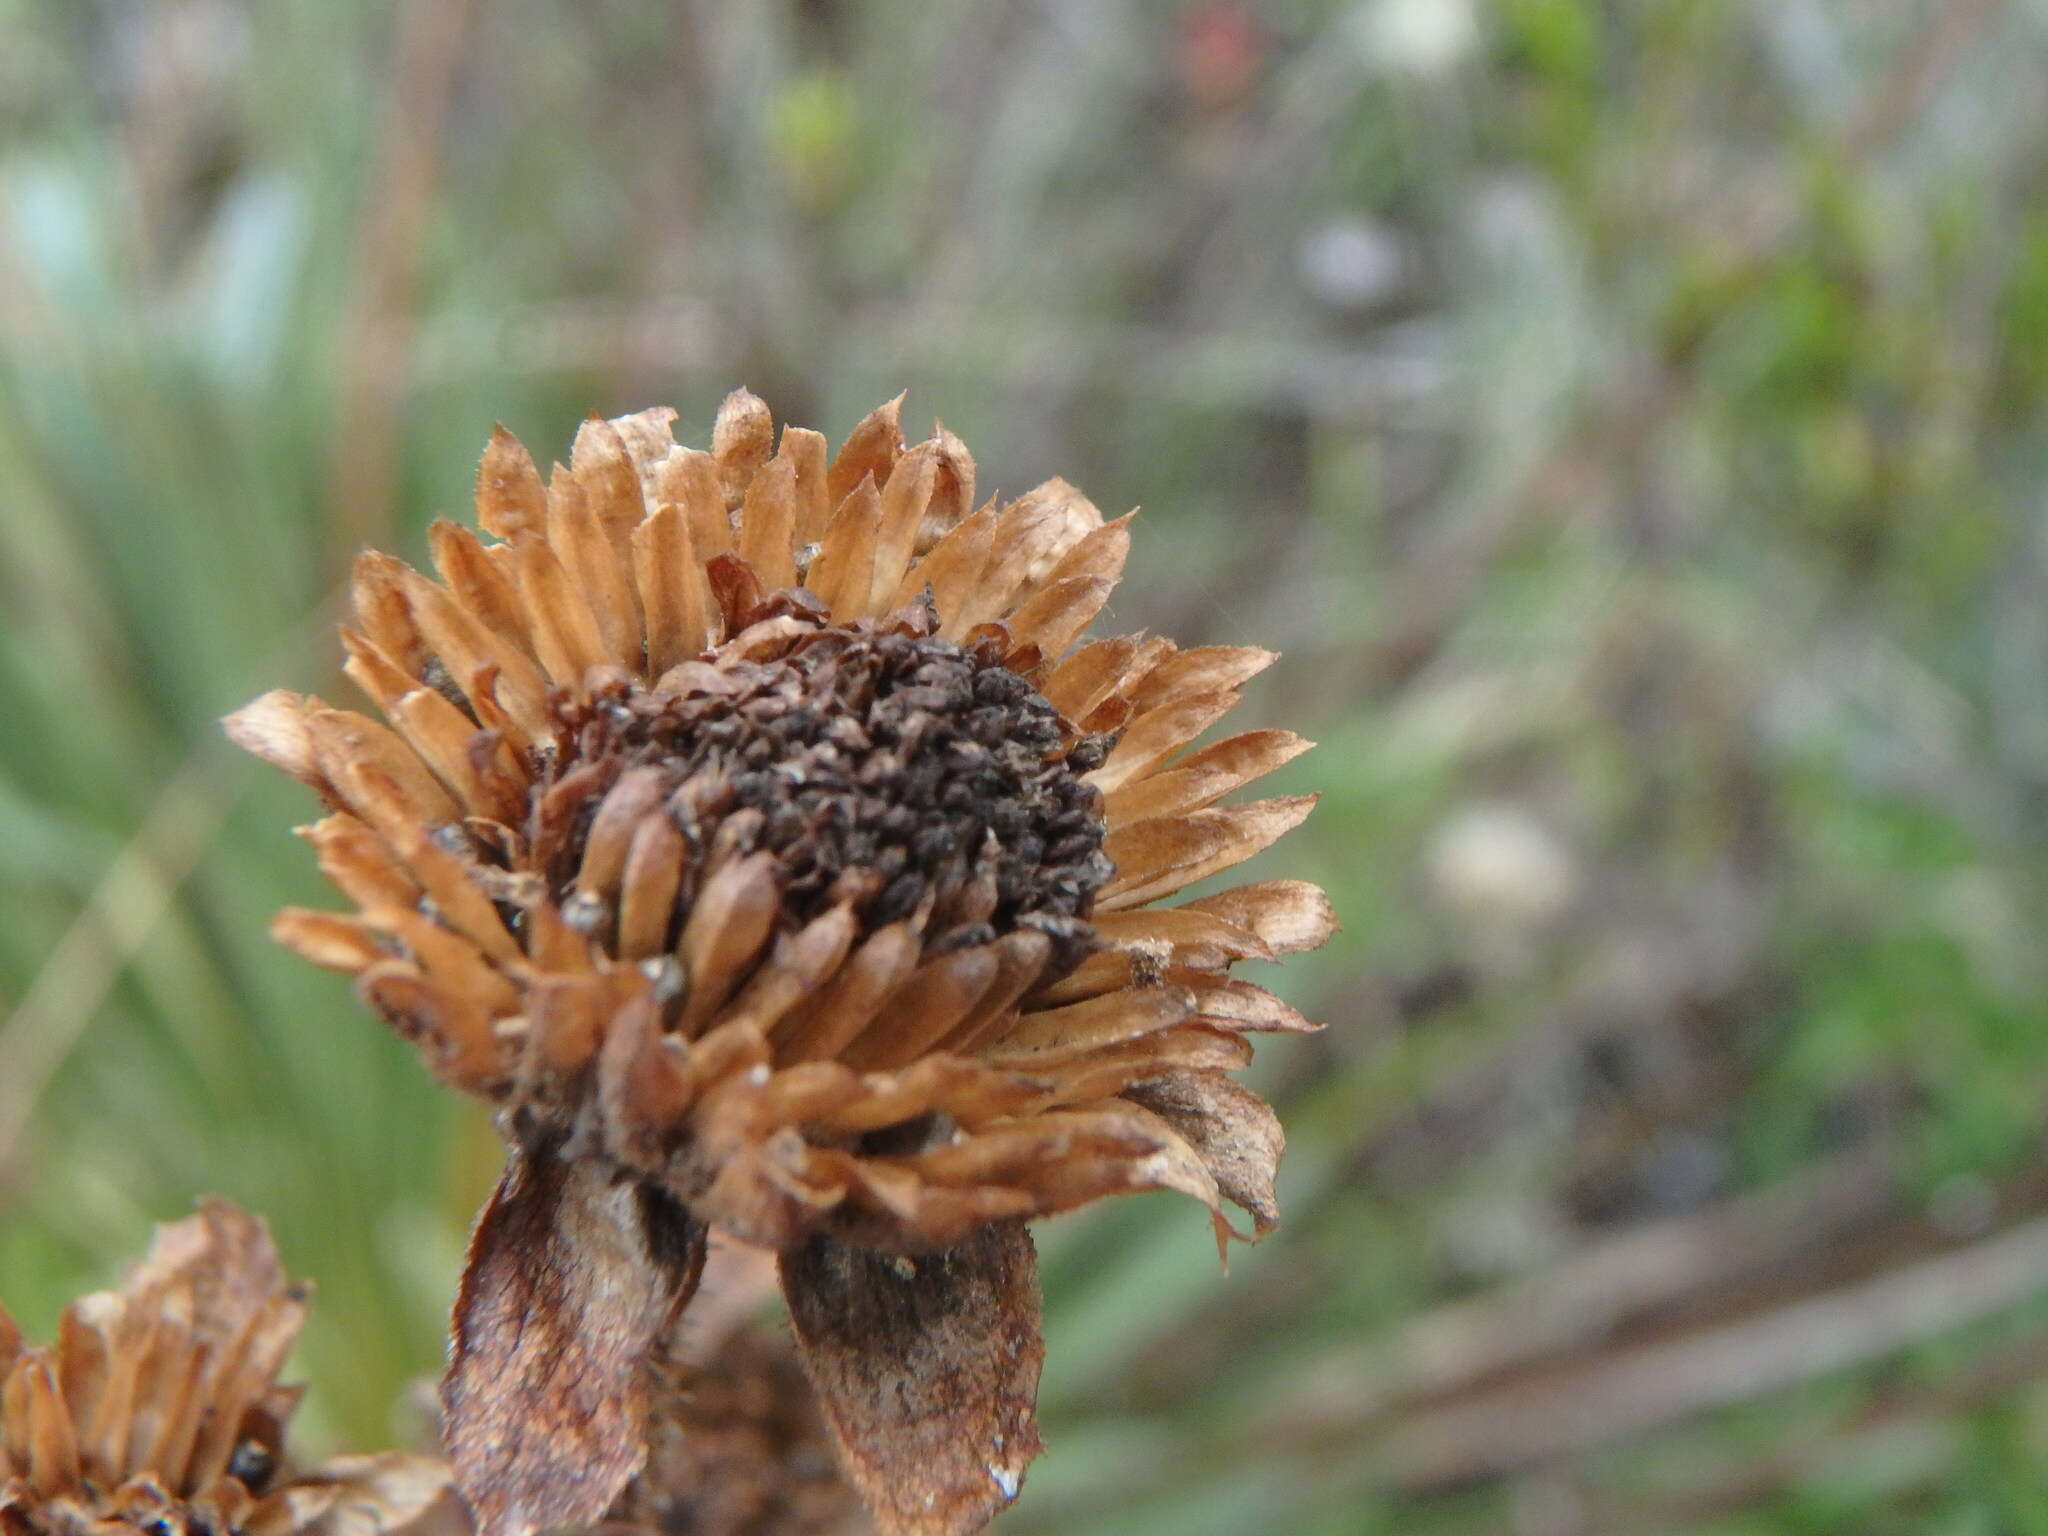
x: 898, y: 771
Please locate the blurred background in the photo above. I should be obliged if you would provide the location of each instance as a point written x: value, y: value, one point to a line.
x: 1631, y: 420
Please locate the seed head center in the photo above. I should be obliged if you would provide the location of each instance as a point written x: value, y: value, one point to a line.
x: 900, y: 772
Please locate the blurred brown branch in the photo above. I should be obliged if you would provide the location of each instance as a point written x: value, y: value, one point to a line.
x: 377, y: 328
x: 1868, y: 1432
x: 1597, y: 1399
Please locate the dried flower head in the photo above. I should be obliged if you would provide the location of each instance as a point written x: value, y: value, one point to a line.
x: 158, y: 1410
x: 752, y: 831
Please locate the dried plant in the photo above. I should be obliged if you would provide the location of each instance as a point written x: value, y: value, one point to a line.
x: 752, y: 832
x: 158, y: 1410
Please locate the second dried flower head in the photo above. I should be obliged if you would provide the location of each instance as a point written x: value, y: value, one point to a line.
x: 157, y: 1410
x: 754, y: 832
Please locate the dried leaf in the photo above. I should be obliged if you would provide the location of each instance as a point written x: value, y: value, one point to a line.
x: 358, y: 863
x: 609, y: 472
x: 805, y: 450
x: 953, y: 492
x: 51, y: 1442
x: 742, y: 437
x: 384, y: 611
x: 950, y: 568
x: 673, y: 590
x: 820, y: 1026
x: 768, y: 525
x: 370, y: 669
x: 1031, y: 533
x: 1091, y: 1074
x: 688, y: 479
x: 344, y: 741
x: 510, y: 501
x: 844, y: 569
x: 274, y: 728
x: 1291, y: 916
x: 466, y: 648
x: 1204, y: 776
x: 1240, y: 1005
x: 564, y: 628
x: 1053, y: 618
x: 1088, y: 676
x: 799, y: 965
x: 905, y: 496
x: 1232, y: 1129
x: 596, y: 558
x: 928, y: 1371
x: 940, y: 996
x: 1201, y: 669
x: 1157, y: 734
x: 1094, y: 1021
x: 1100, y: 554
x: 571, y: 1278
x: 736, y: 589
x: 328, y: 939
x: 732, y: 919
x: 1157, y: 858
x: 477, y: 582
x: 871, y: 448
x: 648, y: 436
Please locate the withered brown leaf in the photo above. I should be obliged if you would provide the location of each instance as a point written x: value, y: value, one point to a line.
x: 927, y: 1369
x: 1232, y: 1129
x: 572, y: 1276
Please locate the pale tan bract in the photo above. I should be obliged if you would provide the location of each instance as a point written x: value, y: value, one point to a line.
x: 621, y: 970
x: 158, y: 1411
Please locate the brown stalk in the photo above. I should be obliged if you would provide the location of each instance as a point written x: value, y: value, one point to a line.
x: 377, y: 327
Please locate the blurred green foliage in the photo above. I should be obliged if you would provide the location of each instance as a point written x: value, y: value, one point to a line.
x: 1631, y: 422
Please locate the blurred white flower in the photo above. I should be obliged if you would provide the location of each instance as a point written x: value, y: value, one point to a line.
x: 1350, y: 261
x: 1495, y: 863
x: 1426, y: 37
